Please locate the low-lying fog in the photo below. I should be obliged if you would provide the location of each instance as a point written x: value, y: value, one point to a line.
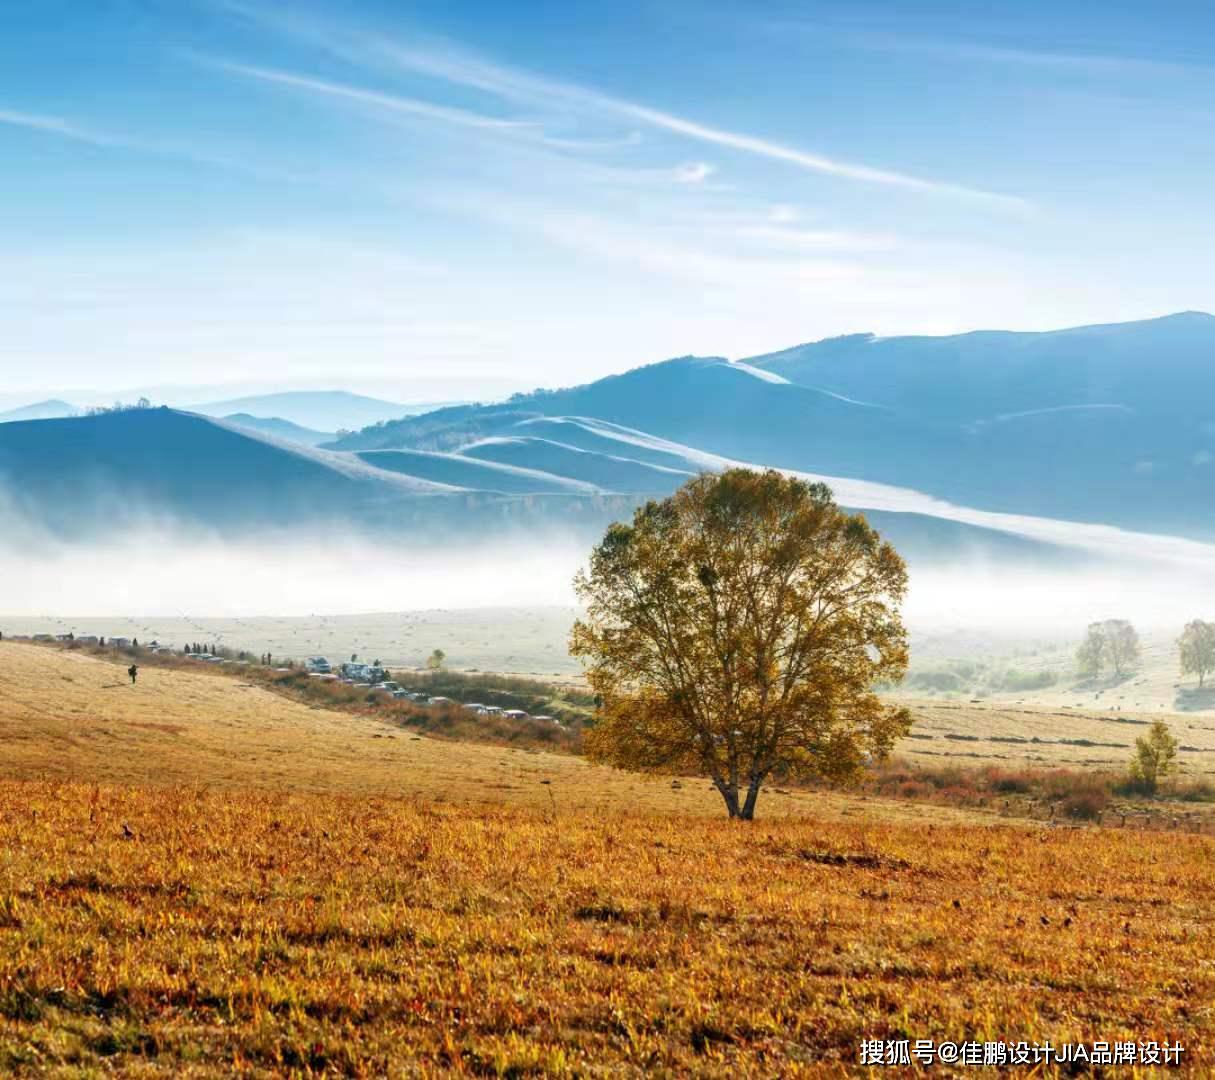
x: 174, y: 573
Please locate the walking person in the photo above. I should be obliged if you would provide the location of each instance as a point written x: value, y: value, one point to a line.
x: 133, y: 670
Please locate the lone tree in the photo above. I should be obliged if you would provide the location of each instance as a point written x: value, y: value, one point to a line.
x: 1154, y: 757
x: 736, y: 629
x: 1197, y: 646
x: 436, y: 660
x: 1113, y: 644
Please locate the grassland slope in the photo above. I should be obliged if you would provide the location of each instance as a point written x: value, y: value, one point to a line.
x: 67, y: 716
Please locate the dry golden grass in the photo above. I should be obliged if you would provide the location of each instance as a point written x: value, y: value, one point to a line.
x: 260, y: 887
x: 1015, y: 735
x: 171, y: 931
x: 69, y: 716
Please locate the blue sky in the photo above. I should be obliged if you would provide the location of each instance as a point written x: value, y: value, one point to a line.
x: 425, y: 199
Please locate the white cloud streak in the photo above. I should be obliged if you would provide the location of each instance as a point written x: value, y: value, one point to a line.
x: 67, y: 129
x: 521, y: 86
x: 813, y: 162
x: 473, y: 72
x: 56, y: 125
x: 391, y: 102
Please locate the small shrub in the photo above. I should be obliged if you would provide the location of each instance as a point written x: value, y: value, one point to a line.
x: 1085, y: 805
x: 914, y: 789
x: 1006, y: 782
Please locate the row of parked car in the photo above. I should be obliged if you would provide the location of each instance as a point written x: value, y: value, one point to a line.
x: 370, y: 677
x: 373, y: 677
x: 509, y: 714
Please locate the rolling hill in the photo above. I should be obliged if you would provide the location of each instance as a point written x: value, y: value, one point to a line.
x: 704, y: 402
x: 135, y: 464
x: 119, y: 470
x: 280, y: 429
x: 468, y: 472
x: 1012, y: 445
x: 1108, y: 424
x: 987, y: 376
x: 1113, y: 422
x: 608, y: 471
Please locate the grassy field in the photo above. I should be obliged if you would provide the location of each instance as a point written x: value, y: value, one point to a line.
x: 179, y: 931
x: 199, y: 876
x: 1018, y: 735
x: 69, y: 716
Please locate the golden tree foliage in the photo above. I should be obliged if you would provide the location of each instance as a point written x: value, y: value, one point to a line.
x: 737, y: 629
x: 1155, y: 757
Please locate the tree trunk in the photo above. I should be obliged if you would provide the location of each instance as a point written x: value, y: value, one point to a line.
x: 748, y: 810
x: 729, y: 792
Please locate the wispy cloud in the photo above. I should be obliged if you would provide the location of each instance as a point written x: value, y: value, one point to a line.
x: 522, y: 86
x: 67, y: 129
x: 701, y: 251
x: 813, y: 162
x: 360, y: 95
x: 56, y: 125
x: 453, y: 65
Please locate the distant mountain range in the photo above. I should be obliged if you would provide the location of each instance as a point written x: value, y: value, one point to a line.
x: 41, y: 410
x: 316, y: 410
x: 984, y: 443
x: 1112, y: 424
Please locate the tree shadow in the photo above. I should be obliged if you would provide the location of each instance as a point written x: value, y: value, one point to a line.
x: 1191, y: 699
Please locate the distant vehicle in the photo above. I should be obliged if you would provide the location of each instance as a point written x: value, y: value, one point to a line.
x: 441, y: 701
x: 318, y: 665
x: 474, y: 707
x: 367, y: 673
x: 515, y: 714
